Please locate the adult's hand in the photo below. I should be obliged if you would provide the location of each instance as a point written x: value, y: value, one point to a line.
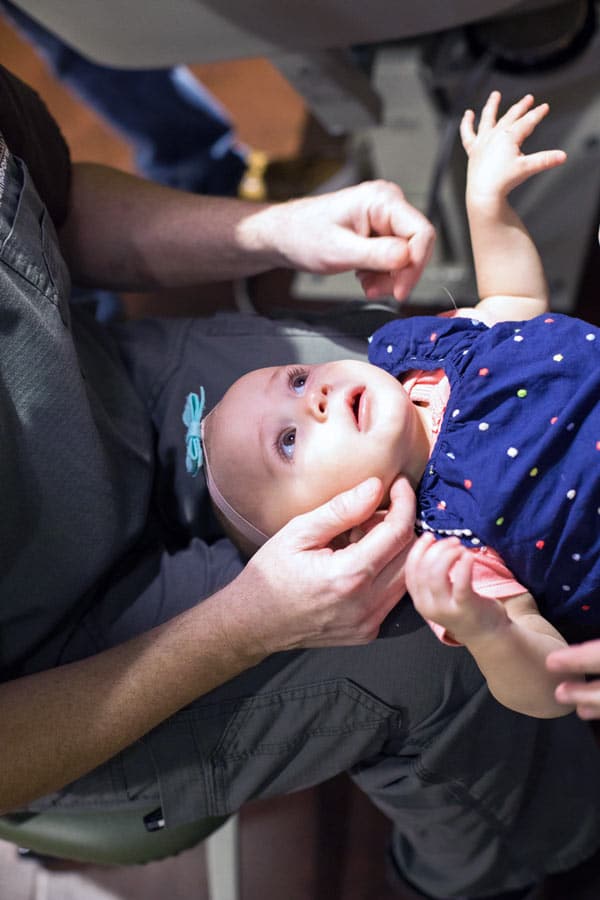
x: 573, y: 662
x: 303, y: 593
x: 369, y: 227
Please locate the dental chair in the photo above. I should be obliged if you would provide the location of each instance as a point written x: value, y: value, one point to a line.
x: 129, y: 837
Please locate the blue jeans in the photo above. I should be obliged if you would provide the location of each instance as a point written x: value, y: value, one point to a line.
x: 180, y: 134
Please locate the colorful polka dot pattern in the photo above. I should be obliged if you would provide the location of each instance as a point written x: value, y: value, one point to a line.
x: 516, y: 465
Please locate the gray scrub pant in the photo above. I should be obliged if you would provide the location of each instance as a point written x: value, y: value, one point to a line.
x: 481, y: 799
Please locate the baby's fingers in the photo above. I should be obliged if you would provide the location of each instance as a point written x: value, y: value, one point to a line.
x: 489, y: 113
x: 467, y: 131
x: 462, y: 576
x: 526, y: 124
x: 516, y: 111
x: 414, y: 563
x: 439, y: 559
x: 541, y: 162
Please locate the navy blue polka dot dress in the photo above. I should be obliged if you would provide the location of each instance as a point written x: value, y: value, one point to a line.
x: 516, y: 466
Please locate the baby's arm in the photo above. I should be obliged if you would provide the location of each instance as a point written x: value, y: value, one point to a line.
x: 509, y: 640
x: 510, y: 278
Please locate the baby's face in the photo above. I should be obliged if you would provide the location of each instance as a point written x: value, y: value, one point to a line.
x: 284, y: 440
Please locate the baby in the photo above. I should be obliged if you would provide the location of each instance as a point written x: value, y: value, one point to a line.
x: 490, y: 415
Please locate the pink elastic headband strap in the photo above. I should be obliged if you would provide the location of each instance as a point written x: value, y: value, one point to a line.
x: 242, y: 525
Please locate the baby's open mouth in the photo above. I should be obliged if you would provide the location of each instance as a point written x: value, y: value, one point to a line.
x: 355, y: 405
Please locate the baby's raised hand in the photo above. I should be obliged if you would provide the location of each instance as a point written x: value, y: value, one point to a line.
x: 496, y: 163
x: 438, y: 578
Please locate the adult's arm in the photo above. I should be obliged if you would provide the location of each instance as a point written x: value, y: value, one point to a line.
x: 59, y: 724
x: 124, y: 232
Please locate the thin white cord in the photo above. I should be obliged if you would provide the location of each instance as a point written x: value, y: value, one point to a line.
x: 451, y: 297
x: 241, y: 297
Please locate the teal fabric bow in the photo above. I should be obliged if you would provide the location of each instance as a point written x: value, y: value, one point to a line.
x: 192, y: 416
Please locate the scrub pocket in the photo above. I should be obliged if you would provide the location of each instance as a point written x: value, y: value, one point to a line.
x: 213, y: 757
x: 296, y: 738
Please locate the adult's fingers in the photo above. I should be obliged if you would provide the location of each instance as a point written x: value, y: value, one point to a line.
x: 376, y: 284
x: 392, y: 535
x: 407, y: 221
x: 578, y: 692
x: 588, y: 711
x: 396, y: 284
x: 403, y: 501
x: 399, y: 282
x: 374, y: 253
x: 585, y: 697
x: 316, y: 529
x: 577, y: 659
x: 420, y: 247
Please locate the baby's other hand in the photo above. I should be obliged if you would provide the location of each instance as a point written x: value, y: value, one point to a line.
x: 496, y: 163
x: 439, y: 580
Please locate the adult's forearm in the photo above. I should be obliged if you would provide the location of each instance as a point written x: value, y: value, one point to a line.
x: 123, y: 232
x: 59, y: 724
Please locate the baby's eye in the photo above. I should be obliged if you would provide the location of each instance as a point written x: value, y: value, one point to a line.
x: 286, y: 443
x: 297, y: 379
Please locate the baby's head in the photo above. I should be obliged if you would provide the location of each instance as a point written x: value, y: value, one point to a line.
x: 285, y: 439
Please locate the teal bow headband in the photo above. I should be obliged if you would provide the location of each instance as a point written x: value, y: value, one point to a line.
x: 192, y: 417
x: 196, y: 457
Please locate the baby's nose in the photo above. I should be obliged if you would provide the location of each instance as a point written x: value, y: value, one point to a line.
x: 318, y: 402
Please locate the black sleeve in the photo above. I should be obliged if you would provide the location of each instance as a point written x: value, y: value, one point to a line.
x: 32, y: 134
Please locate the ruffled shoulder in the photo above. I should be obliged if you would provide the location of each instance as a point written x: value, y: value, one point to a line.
x: 426, y: 342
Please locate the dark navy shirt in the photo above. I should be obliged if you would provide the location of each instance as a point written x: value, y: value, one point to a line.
x: 516, y: 466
